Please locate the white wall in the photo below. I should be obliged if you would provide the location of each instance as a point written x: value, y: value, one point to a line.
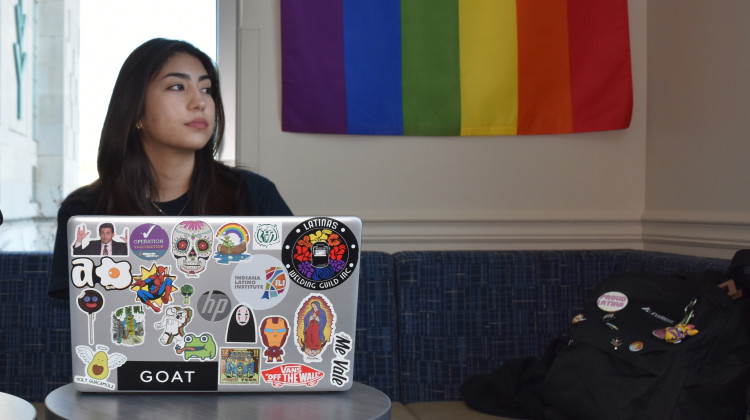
x: 698, y: 167
x: 18, y: 151
x: 505, y: 192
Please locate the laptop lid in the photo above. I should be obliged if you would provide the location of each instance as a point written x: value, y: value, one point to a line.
x: 226, y: 304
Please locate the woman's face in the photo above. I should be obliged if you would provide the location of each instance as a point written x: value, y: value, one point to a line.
x: 179, y: 110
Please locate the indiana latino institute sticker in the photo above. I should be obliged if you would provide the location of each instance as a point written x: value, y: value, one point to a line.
x: 320, y: 253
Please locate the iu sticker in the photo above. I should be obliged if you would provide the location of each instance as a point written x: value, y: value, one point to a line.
x: 320, y: 253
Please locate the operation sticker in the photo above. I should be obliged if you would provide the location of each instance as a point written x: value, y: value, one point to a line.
x: 320, y: 253
x: 149, y: 241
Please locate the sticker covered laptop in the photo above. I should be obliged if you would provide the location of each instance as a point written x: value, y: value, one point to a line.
x: 225, y: 304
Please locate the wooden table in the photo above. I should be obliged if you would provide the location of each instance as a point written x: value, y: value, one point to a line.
x: 12, y: 407
x: 359, y: 402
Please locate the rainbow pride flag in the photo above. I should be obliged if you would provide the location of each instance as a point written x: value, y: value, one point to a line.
x: 455, y: 67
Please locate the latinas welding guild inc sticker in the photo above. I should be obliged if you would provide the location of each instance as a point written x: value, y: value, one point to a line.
x: 320, y: 253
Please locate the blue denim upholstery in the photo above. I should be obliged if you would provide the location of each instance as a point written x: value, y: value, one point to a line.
x: 426, y: 320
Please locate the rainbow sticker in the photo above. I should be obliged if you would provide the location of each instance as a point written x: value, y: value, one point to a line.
x: 231, y: 244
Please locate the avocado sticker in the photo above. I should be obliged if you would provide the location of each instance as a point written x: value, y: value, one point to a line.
x: 99, y: 364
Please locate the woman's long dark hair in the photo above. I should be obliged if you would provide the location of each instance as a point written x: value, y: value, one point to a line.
x: 126, y: 177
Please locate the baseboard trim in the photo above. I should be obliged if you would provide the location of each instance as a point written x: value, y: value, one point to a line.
x: 707, y: 234
x: 499, y: 234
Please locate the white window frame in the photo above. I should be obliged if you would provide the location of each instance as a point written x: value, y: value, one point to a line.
x: 227, y: 21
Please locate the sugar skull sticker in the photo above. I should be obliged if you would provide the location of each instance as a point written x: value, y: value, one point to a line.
x: 314, y: 325
x: 320, y: 253
x: 192, y: 246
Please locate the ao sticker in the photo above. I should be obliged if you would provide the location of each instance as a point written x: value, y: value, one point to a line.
x: 612, y: 301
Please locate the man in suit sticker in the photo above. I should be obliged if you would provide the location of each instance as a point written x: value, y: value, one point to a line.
x: 105, y: 245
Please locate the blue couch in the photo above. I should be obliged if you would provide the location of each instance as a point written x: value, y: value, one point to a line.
x: 426, y: 319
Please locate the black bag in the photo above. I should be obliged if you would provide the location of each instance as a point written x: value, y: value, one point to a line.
x: 622, y: 361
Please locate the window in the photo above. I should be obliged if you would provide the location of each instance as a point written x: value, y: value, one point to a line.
x: 52, y: 110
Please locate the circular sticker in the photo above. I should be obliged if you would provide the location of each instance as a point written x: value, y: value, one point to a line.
x: 636, y: 346
x: 320, y: 253
x: 149, y: 241
x: 261, y: 282
x: 612, y: 301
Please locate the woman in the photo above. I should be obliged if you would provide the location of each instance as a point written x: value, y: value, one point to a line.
x: 157, y: 150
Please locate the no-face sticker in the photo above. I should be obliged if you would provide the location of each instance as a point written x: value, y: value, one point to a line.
x: 320, y: 253
x: 241, y: 325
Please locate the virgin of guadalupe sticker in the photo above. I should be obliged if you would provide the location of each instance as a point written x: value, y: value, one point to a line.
x: 320, y: 253
x: 314, y: 325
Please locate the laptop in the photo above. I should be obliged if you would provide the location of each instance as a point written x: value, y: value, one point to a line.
x: 224, y: 304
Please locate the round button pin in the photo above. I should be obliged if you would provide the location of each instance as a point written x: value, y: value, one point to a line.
x: 636, y: 346
x: 612, y: 301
